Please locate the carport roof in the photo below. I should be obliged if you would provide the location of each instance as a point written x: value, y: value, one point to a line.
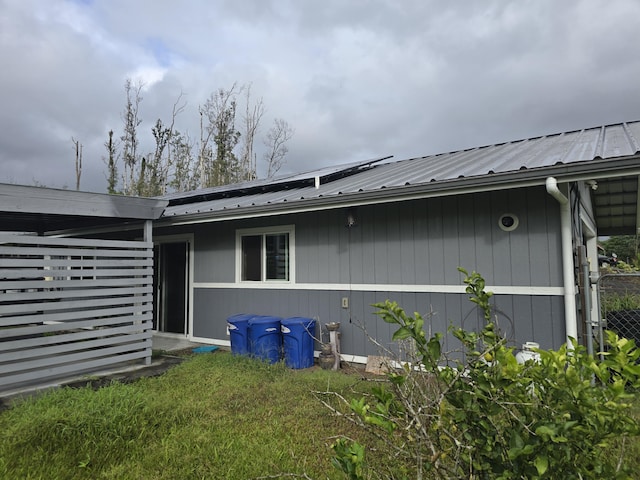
x: 608, y: 154
x: 47, y: 210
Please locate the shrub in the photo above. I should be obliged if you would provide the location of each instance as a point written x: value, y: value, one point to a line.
x: 484, y: 415
x: 616, y: 302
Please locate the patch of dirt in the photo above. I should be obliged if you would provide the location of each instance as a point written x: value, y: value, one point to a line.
x: 159, y: 365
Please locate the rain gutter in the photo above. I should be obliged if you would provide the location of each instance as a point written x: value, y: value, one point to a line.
x: 570, y: 316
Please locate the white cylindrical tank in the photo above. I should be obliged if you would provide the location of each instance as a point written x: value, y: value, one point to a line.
x: 528, y: 352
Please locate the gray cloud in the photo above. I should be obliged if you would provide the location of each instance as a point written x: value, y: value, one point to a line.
x: 356, y: 79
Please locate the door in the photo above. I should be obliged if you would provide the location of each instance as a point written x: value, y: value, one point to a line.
x: 171, y: 287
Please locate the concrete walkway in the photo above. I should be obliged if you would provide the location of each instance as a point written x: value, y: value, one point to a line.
x: 170, y: 343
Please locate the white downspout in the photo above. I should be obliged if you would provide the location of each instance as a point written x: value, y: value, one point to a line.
x: 571, y: 322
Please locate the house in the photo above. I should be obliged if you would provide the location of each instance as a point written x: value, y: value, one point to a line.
x: 70, y: 303
x: 328, y: 244
x: 86, y: 278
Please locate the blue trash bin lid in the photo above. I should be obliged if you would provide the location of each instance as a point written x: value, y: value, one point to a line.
x: 297, y: 321
x: 240, y: 317
x: 239, y: 321
x: 260, y: 319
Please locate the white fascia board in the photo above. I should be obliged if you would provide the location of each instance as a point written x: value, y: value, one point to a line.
x: 340, y: 287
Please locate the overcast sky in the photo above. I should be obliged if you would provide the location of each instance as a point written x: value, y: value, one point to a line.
x: 357, y: 79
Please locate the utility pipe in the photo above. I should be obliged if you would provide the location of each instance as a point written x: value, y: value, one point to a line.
x: 586, y: 285
x: 570, y: 317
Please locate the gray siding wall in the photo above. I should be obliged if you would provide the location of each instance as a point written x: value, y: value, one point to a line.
x: 420, y: 242
x: 423, y: 242
x: 416, y: 242
x: 521, y: 318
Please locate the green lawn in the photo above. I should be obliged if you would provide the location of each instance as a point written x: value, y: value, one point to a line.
x: 214, y: 416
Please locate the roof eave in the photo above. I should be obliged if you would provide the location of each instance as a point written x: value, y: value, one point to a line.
x: 591, y: 170
x: 39, y: 200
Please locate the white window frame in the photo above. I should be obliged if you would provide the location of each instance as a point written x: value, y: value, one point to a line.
x: 289, y: 229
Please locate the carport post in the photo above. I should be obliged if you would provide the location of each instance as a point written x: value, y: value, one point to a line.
x: 148, y: 231
x: 148, y: 238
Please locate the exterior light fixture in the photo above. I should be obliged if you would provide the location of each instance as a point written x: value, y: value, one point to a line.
x: 351, y: 218
x: 508, y: 222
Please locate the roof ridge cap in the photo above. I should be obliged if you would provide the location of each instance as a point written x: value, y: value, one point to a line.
x: 631, y: 137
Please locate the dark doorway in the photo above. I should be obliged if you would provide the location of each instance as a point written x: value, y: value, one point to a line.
x: 170, y: 287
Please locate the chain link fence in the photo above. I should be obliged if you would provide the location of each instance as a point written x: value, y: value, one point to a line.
x: 619, y: 300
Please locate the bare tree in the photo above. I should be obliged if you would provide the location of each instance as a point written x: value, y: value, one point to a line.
x: 219, y: 167
x: 77, y: 146
x: 222, y: 154
x: 130, y: 135
x: 185, y: 172
x: 112, y: 160
x: 178, y: 107
x: 155, y: 169
x: 276, y: 143
x: 251, y: 122
x: 205, y: 153
x: 152, y: 180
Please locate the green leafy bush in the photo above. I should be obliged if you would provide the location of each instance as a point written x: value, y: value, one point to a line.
x: 620, y: 267
x: 484, y: 415
x: 615, y: 302
x: 625, y: 246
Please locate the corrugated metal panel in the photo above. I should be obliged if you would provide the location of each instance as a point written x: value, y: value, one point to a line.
x: 549, y: 151
x: 607, y: 142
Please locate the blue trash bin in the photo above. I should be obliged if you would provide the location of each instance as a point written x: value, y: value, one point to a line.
x: 265, y: 340
x: 238, y: 326
x: 297, y: 338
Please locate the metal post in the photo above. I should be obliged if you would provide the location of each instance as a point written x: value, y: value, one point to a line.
x: 148, y: 237
x: 586, y: 295
x: 148, y: 231
x: 600, y: 317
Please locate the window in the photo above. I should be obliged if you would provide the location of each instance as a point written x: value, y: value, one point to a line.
x: 265, y: 255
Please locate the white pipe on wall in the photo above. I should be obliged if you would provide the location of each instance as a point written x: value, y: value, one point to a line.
x: 570, y: 316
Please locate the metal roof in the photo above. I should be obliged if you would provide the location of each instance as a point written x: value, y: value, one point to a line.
x: 608, y: 154
x: 46, y: 210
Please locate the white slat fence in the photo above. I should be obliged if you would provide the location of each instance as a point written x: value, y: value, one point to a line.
x: 70, y: 306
